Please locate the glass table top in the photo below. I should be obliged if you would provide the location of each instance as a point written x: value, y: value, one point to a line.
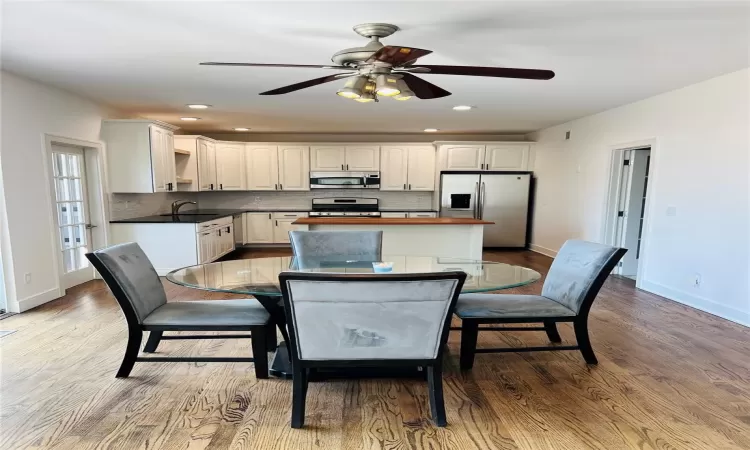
x: 260, y: 276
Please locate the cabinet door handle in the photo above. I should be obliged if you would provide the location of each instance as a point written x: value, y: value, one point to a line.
x: 212, y: 186
x: 410, y: 187
x: 275, y: 187
x: 221, y: 187
x: 281, y: 187
x: 342, y: 167
x: 219, y: 232
x: 347, y: 167
x: 277, y: 223
x: 404, y: 186
x: 269, y: 216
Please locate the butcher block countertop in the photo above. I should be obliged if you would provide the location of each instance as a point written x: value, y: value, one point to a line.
x: 382, y: 221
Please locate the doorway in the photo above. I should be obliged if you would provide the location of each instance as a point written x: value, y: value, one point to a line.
x: 72, y: 210
x: 627, y: 209
x: 78, y: 199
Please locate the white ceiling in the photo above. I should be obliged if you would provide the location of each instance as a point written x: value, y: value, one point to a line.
x: 142, y: 57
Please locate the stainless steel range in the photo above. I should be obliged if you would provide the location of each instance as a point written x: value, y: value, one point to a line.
x: 344, y: 206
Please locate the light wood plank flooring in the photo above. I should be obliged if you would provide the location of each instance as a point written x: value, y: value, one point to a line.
x: 669, y: 377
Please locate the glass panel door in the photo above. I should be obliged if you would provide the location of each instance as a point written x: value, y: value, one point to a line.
x: 71, y: 209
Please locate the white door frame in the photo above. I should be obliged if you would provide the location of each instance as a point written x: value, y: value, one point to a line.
x: 611, y: 208
x: 98, y: 202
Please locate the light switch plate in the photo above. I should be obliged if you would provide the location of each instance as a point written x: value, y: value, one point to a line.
x: 671, y: 211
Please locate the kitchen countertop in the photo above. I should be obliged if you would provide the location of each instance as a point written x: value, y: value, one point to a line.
x: 198, y: 215
x: 381, y: 221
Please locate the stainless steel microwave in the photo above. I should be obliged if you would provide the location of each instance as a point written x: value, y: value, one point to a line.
x: 344, y: 180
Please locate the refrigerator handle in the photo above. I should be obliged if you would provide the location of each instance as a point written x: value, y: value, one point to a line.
x: 481, y: 201
x: 476, y: 200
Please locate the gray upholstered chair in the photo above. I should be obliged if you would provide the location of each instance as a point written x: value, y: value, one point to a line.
x: 139, y: 292
x: 362, y: 245
x: 369, y: 320
x: 573, y: 282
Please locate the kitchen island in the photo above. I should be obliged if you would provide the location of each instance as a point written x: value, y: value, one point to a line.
x: 423, y: 236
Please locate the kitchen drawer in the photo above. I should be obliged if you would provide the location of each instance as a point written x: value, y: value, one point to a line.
x: 203, y: 226
x: 393, y: 215
x: 422, y: 214
x: 289, y: 215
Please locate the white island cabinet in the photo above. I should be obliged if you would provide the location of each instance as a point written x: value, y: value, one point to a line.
x: 171, y: 245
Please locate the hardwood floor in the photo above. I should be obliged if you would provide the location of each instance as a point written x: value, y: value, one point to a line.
x: 669, y: 377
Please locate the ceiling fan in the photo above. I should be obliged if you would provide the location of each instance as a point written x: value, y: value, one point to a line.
x: 387, y: 70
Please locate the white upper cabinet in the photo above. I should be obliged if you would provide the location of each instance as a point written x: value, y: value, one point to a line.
x: 337, y: 158
x: 407, y: 168
x: 421, y: 169
x: 230, y: 166
x: 500, y: 156
x: 207, y: 165
x: 363, y: 158
x: 262, y: 167
x: 140, y: 155
x: 294, y: 168
x: 464, y: 157
x: 394, y: 160
x: 506, y: 157
x: 328, y: 158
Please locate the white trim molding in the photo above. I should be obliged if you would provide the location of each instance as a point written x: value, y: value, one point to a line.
x: 41, y: 298
x: 542, y: 250
x: 693, y: 301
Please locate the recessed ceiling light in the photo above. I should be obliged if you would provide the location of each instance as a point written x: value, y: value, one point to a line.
x: 462, y: 108
x: 196, y: 106
x: 189, y: 119
x: 430, y: 130
x: 241, y: 129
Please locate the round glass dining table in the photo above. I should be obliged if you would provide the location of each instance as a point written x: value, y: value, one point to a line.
x: 259, y: 277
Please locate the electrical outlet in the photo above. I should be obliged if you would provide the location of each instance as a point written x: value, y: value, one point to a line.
x: 697, y: 280
x: 27, y: 278
x: 671, y: 211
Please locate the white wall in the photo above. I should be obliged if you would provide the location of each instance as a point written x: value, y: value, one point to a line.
x: 30, y: 109
x: 699, y: 165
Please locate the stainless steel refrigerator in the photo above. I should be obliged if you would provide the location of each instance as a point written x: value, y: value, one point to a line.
x: 500, y: 197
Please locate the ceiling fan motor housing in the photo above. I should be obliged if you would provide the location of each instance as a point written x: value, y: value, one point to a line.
x: 352, y: 57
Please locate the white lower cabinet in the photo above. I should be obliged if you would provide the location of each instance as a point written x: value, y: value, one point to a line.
x: 270, y: 228
x: 258, y: 228
x: 215, y: 239
x: 283, y: 225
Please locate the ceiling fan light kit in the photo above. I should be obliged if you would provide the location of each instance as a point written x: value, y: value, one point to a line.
x: 391, y: 68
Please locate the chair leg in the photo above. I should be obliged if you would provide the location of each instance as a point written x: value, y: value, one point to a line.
x: 551, y: 329
x: 299, y: 393
x: 131, y: 352
x: 435, y: 386
x: 271, y: 340
x: 260, y: 351
x: 581, y: 328
x: 469, y: 333
x: 154, y: 337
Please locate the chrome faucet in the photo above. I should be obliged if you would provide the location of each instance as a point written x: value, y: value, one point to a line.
x: 177, y: 204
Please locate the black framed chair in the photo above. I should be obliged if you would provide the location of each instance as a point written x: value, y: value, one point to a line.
x: 135, y: 285
x: 573, y: 282
x: 369, y: 320
x: 362, y: 245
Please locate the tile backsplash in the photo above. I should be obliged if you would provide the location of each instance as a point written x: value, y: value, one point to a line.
x: 125, y: 206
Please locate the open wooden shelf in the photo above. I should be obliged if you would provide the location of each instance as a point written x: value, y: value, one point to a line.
x: 177, y: 151
x: 184, y: 181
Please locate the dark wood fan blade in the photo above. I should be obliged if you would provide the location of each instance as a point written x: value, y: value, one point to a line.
x: 397, y: 56
x: 424, y: 89
x: 475, y: 71
x: 312, y: 66
x: 305, y: 84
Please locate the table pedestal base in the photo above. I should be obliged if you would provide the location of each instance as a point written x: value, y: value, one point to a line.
x: 281, y: 366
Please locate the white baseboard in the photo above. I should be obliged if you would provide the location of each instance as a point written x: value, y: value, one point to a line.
x: 39, y: 299
x: 543, y: 250
x: 703, y: 304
